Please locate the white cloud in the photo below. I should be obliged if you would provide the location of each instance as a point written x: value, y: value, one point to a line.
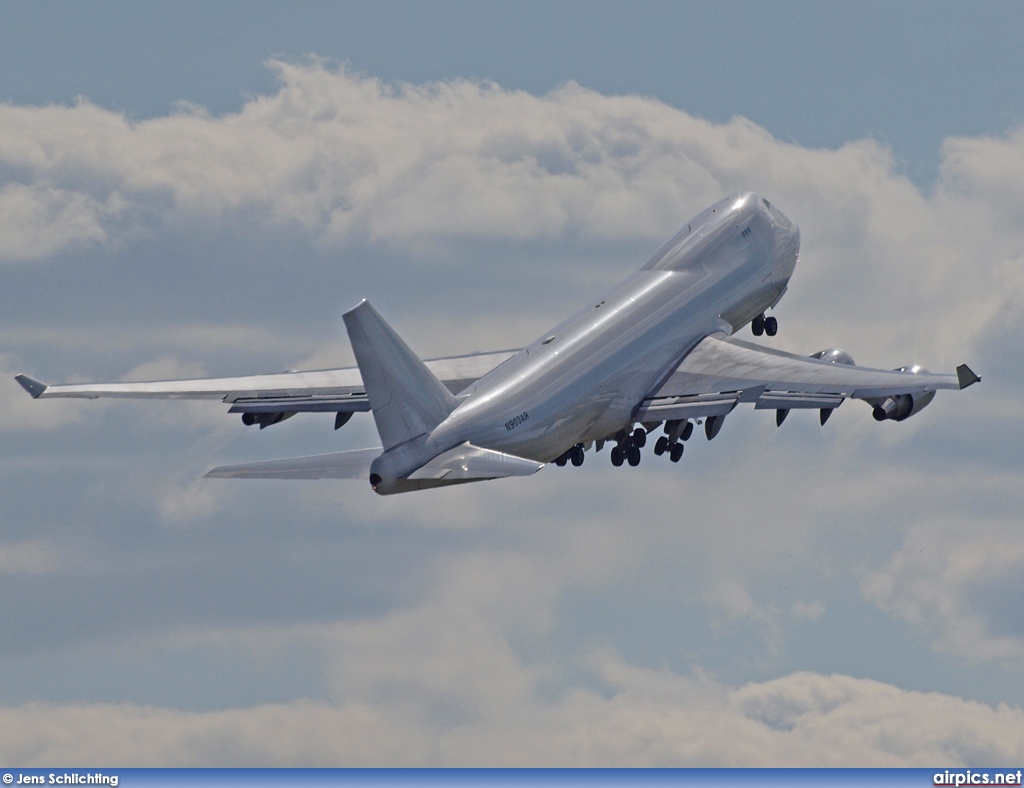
x: 28, y: 557
x: 37, y: 220
x: 465, y: 674
x: 937, y: 580
x: 887, y: 272
x: 646, y: 718
x: 345, y: 157
x: 807, y: 611
x: 342, y: 155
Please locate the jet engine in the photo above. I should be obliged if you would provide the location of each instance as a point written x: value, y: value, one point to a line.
x: 264, y: 419
x: 903, y: 406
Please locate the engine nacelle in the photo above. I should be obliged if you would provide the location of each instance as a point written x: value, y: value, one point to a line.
x: 895, y: 408
x: 903, y: 406
x: 834, y: 356
x: 264, y: 419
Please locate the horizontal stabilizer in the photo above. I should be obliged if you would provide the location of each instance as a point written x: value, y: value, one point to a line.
x: 31, y: 385
x: 468, y: 462
x: 340, y: 465
x: 966, y: 377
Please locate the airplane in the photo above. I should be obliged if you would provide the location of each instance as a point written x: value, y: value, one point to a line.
x: 656, y: 351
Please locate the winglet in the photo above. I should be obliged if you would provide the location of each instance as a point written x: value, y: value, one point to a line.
x: 31, y: 385
x: 964, y: 374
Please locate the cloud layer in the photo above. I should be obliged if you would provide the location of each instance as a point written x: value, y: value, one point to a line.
x: 650, y: 719
x: 346, y: 159
x: 752, y: 606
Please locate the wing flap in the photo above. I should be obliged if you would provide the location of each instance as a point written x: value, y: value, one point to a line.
x: 344, y: 404
x: 796, y: 400
x: 697, y: 406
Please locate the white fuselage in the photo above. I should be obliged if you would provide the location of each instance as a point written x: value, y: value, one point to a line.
x: 585, y: 379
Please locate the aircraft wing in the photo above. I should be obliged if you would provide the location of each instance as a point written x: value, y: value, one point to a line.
x: 722, y: 372
x: 330, y: 390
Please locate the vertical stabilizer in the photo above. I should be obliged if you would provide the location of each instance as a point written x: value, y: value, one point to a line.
x: 406, y: 399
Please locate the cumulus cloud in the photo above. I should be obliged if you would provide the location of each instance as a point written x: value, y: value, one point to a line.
x: 645, y: 718
x: 887, y: 272
x: 962, y: 586
x: 342, y: 155
x: 37, y: 220
x: 345, y: 158
x: 807, y: 611
x: 29, y: 557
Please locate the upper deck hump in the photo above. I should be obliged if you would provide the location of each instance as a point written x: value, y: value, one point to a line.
x: 701, y: 228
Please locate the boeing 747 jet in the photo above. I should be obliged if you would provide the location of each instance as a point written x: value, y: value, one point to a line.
x: 656, y: 352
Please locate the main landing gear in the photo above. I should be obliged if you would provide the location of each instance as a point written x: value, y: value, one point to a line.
x: 679, y: 429
x: 764, y: 325
x: 628, y: 447
x: 627, y: 450
x: 675, y: 450
x: 575, y: 455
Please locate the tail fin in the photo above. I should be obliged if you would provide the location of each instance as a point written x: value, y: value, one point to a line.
x: 406, y: 399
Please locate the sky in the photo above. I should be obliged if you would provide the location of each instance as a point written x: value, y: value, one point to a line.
x: 193, y: 190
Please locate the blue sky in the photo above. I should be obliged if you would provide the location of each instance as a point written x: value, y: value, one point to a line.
x: 190, y: 190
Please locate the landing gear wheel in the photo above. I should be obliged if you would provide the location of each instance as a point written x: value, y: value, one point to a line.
x: 757, y: 325
x: 560, y: 462
x: 661, y: 446
x: 687, y: 431
x: 771, y: 326
x: 576, y: 456
x: 633, y: 457
x: 617, y: 457
x: 676, y: 452
x: 639, y: 437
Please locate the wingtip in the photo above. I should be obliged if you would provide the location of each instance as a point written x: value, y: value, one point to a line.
x: 31, y: 385
x: 966, y: 377
x: 220, y: 472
